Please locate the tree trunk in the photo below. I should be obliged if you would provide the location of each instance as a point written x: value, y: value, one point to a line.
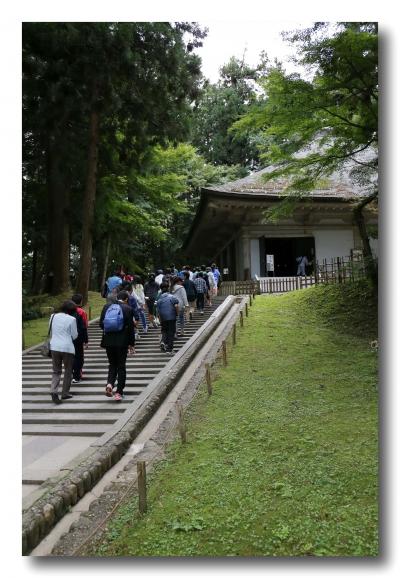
x: 57, y: 280
x: 37, y: 286
x: 34, y: 270
x: 88, y: 207
x: 106, y: 259
x: 370, y: 266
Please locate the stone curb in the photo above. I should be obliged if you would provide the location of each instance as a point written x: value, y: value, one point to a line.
x: 44, y: 513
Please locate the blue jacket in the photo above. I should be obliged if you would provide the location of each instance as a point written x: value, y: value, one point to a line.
x: 132, y: 302
x: 166, y: 307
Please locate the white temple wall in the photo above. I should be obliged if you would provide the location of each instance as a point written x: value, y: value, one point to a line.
x: 331, y: 243
x: 374, y: 246
x: 255, y: 257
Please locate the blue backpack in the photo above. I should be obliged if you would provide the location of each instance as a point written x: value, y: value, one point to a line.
x: 114, y: 319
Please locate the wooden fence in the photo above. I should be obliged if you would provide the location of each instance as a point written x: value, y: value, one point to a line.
x: 239, y: 288
x: 285, y: 284
x: 338, y: 270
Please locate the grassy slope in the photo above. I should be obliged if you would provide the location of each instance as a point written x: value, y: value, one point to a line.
x: 282, y: 459
x: 35, y: 331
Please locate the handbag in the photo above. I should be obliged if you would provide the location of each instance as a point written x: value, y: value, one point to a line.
x: 45, y: 349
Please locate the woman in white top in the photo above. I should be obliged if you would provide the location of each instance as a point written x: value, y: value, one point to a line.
x: 63, y: 332
x: 138, y: 291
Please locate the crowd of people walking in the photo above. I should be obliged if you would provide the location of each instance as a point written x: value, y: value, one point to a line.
x: 169, y: 298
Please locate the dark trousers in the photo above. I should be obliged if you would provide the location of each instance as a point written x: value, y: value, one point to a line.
x: 117, y: 366
x: 78, y: 361
x: 168, y: 329
x: 200, y: 301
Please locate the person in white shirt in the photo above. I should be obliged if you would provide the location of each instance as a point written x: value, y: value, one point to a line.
x: 63, y: 333
x: 160, y: 276
x: 138, y: 292
x: 211, y: 280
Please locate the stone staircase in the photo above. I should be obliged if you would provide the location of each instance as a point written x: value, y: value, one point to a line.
x: 90, y: 413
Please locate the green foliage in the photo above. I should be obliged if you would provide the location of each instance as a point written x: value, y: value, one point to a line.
x: 282, y: 459
x: 218, y: 106
x: 313, y: 127
x: 139, y: 78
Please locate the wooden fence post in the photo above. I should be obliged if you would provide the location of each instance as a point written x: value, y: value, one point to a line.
x: 208, y: 379
x: 141, y: 481
x: 234, y: 334
x: 181, y: 421
x: 351, y: 267
x: 251, y: 300
x: 241, y: 318
x: 246, y: 308
x: 224, y: 354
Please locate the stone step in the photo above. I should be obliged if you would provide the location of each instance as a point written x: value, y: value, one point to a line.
x: 65, y: 418
x: 108, y: 406
x: 88, y: 380
x: 92, y: 368
x: 141, y: 373
x: 94, y: 390
x: 92, y: 430
x: 91, y: 361
x: 86, y: 384
x: 94, y: 355
x: 89, y: 400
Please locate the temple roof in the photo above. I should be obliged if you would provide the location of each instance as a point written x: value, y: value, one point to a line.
x: 223, y: 209
x: 337, y: 186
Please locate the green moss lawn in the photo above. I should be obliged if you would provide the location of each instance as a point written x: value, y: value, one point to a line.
x: 282, y: 459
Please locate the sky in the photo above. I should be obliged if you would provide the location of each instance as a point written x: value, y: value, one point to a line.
x: 228, y: 38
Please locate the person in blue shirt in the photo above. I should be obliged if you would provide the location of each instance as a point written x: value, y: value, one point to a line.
x: 168, y: 309
x: 217, y: 276
x: 113, y: 286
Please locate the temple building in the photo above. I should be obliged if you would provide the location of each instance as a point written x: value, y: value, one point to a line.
x: 231, y: 227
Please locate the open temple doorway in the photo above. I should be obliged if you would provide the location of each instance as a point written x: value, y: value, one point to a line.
x: 285, y: 251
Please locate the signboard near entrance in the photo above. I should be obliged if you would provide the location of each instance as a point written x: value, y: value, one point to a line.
x: 270, y: 263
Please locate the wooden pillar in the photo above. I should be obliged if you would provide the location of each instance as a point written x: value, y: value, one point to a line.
x: 142, y: 489
x: 182, y: 427
x: 208, y: 379
x: 224, y: 354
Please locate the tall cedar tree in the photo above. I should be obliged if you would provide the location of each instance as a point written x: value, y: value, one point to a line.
x: 80, y: 79
x: 221, y: 104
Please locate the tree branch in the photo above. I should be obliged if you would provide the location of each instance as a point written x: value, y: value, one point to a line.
x: 342, y: 118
